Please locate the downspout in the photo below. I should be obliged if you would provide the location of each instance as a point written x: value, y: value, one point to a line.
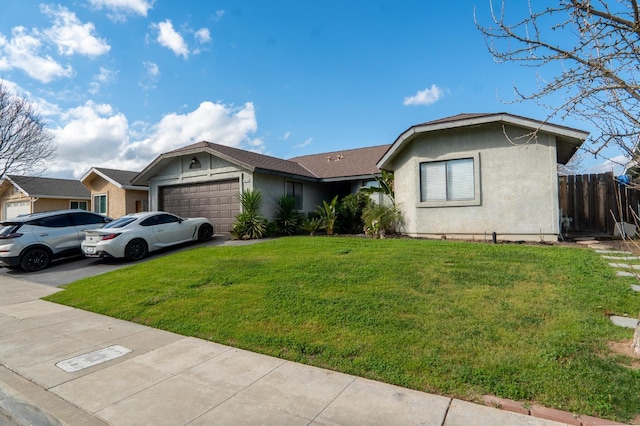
x: 33, y: 201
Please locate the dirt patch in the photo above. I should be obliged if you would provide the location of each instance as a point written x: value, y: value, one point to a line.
x: 623, y: 347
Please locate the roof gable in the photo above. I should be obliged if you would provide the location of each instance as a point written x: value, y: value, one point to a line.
x: 120, y: 178
x: 50, y: 187
x: 568, y: 139
x: 248, y: 160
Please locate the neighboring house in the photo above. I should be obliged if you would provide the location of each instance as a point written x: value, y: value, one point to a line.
x: 471, y: 175
x: 112, y: 192
x: 25, y: 194
x: 204, y: 179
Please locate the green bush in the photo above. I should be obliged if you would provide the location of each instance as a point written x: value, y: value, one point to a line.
x: 312, y: 224
x: 380, y: 220
x: 349, y: 220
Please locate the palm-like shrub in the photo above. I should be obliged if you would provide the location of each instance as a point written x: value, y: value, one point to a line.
x: 380, y: 220
x: 249, y: 224
x: 287, y: 216
x: 312, y: 225
x: 329, y: 213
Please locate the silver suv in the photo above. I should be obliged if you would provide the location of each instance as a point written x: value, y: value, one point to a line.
x: 32, y: 241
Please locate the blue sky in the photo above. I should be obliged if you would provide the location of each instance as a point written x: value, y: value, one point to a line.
x: 122, y: 81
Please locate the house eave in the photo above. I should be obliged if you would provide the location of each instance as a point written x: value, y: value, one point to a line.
x: 567, y: 135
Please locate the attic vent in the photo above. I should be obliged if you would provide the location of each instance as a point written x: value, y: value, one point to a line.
x: 329, y: 158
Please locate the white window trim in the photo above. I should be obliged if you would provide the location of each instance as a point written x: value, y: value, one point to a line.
x: 453, y: 203
x: 93, y: 203
x: 86, y: 203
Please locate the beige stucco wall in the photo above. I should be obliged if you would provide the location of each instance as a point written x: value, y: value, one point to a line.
x: 517, y: 185
x: 116, y: 198
x: 39, y: 204
x: 46, y: 204
x: 132, y: 197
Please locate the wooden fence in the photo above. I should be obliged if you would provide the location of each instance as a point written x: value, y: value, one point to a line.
x: 592, y: 201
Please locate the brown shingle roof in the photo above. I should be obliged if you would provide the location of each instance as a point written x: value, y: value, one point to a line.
x: 345, y: 163
x: 50, y: 187
x: 123, y: 177
x: 251, y: 160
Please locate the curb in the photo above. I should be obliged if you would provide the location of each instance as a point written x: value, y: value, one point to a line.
x: 541, y: 412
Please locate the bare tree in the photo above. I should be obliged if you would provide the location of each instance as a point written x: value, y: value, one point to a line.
x: 25, y: 142
x: 591, y: 48
x: 594, y: 47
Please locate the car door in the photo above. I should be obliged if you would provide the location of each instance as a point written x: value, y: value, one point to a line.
x: 57, y: 232
x: 171, y: 229
x: 86, y: 221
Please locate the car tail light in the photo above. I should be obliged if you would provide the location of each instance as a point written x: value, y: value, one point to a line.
x: 10, y: 236
x: 109, y: 237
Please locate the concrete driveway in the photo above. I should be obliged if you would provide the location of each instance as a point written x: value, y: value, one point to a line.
x: 64, y: 271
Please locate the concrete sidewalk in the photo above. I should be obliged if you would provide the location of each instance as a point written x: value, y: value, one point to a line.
x: 168, y: 379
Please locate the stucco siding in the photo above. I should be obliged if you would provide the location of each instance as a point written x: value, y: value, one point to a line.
x: 516, y: 191
x: 132, y: 198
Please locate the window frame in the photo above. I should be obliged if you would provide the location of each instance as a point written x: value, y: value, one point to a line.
x: 477, y: 199
x: 96, y: 206
x: 298, y: 197
x: 78, y: 203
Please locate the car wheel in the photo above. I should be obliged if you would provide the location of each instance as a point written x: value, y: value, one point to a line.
x: 205, y: 233
x: 136, y: 250
x: 35, y: 259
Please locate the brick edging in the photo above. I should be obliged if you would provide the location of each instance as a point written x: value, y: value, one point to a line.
x: 546, y: 413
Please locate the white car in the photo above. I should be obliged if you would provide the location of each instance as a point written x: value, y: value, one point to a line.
x: 134, y: 235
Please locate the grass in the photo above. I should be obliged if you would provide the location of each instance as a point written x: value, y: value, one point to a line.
x: 527, y: 323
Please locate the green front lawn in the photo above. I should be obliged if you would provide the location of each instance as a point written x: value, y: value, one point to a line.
x: 460, y: 319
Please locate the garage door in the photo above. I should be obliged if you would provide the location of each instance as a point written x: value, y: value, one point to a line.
x: 217, y: 201
x: 16, y: 209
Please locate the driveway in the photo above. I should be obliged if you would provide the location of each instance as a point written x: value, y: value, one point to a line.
x: 67, y: 270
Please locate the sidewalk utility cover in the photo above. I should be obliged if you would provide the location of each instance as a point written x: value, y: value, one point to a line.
x: 93, y: 358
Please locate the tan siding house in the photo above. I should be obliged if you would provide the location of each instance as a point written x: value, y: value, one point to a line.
x: 113, y: 194
x: 26, y: 194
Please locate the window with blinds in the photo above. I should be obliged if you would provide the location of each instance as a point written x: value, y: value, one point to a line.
x: 451, y: 180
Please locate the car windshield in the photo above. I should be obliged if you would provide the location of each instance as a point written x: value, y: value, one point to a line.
x: 7, y: 228
x: 120, y: 223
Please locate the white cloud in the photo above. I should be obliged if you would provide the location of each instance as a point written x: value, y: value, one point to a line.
x: 119, y: 9
x: 219, y: 14
x: 615, y: 164
x: 103, y: 77
x: 151, y: 76
x: 203, y: 36
x: 71, y: 36
x: 171, y: 39
x: 213, y: 122
x: 303, y: 144
x: 87, y: 136
x: 22, y: 52
x: 425, y: 97
x: 286, y: 135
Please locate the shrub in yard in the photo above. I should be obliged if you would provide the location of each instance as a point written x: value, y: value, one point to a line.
x: 312, y: 224
x: 250, y: 224
x: 380, y: 220
x: 329, y: 213
x: 287, y: 216
x: 349, y: 220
